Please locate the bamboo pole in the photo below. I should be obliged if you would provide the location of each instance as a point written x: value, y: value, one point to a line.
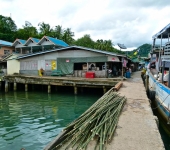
x: 100, y: 121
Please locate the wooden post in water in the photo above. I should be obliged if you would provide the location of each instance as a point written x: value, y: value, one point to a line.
x: 49, y: 89
x: 104, y: 89
x: 6, y: 86
x: 49, y: 97
x: 26, y: 95
x: 75, y: 89
x: 26, y: 87
x: 15, y: 86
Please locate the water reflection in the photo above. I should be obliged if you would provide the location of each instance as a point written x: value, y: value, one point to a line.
x: 33, y: 119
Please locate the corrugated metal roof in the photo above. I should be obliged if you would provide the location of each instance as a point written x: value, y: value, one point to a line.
x: 57, y: 42
x: 70, y: 47
x: 164, y: 33
x: 35, y: 40
x: 20, y: 41
x: 32, y: 39
x: 6, y: 43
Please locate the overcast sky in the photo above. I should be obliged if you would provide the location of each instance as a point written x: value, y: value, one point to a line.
x: 129, y: 22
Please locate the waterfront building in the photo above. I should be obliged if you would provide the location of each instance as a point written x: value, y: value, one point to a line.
x: 72, y: 61
x: 33, y: 45
x: 6, y: 49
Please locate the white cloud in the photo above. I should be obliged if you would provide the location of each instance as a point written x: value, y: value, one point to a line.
x: 129, y: 22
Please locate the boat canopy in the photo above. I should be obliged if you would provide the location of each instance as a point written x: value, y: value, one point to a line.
x: 165, y: 32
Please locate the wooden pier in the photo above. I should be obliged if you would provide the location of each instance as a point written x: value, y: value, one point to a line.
x: 137, y: 128
x: 75, y: 82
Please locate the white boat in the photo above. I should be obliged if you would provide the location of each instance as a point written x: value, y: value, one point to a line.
x: 157, y: 87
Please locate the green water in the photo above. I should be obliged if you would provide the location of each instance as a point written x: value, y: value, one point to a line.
x: 163, y: 126
x: 31, y: 120
x: 165, y: 137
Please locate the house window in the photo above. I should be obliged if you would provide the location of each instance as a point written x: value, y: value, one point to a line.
x: 6, y: 52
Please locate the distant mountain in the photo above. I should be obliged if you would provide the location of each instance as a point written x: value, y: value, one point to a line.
x: 143, y: 51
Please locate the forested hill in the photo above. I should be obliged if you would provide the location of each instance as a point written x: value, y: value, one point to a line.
x: 141, y: 51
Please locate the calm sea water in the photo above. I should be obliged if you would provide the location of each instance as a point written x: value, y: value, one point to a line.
x: 163, y: 126
x: 165, y: 137
x: 31, y: 120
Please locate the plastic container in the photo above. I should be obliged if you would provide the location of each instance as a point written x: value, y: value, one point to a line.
x: 127, y: 74
x: 90, y: 75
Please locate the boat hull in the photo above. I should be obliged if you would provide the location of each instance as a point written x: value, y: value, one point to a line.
x: 161, y: 101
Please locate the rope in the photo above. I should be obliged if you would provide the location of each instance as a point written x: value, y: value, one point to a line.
x: 162, y: 102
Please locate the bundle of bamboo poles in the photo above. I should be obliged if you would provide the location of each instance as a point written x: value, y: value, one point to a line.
x: 98, y: 122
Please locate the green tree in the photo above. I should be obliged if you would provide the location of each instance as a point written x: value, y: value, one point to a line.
x: 7, y: 28
x: 99, y: 45
x: 68, y: 36
x: 31, y: 31
x: 27, y: 31
x: 45, y: 29
x: 85, y: 41
x: 108, y: 46
x: 57, y: 32
x: 7, y: 25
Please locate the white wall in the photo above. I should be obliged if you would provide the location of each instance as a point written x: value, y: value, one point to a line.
x: 63, y: 54
x: 41, y: 64
x: 13, y: 66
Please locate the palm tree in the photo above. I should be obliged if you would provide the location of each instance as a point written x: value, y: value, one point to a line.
x: 58, y: 32
x: 45, y: 29
x: 108, y: 45
x: 99, y: 44
x: 30, y: 30
x: 68, y: 36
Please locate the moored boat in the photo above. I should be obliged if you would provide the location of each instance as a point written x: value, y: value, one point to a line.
x: 157, y: 81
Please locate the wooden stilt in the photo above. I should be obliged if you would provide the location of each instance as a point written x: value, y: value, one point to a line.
x: 104, y: 89
x: 49, y: 97
x: 26, y: 87
x: 75, y: 90
x: 49, y: 88
x: 15, y: 86
x: 6, y: 86
x: 26, y: 95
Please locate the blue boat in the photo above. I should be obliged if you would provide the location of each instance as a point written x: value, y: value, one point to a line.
x: 157, y: 80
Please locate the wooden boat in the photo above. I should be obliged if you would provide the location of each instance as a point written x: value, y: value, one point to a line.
x: 157, y: 83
